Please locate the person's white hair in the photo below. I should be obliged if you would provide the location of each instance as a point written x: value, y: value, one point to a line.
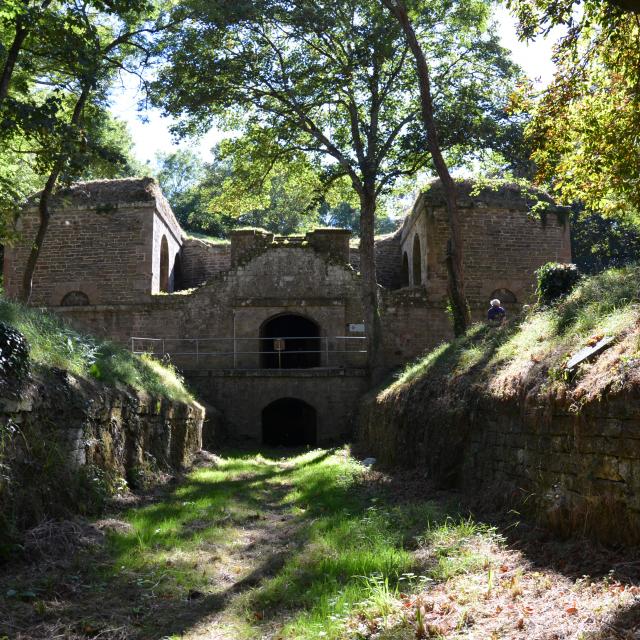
x: 495, y: 302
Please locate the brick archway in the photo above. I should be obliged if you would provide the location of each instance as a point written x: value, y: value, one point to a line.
x: 289, y: 422
x: 164, y: 265
x: 300, y: 344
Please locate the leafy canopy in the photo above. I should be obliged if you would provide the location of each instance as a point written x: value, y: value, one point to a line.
x: 585, y: 127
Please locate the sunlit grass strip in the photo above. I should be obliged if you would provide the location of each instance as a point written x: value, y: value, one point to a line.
x: 608, y: 303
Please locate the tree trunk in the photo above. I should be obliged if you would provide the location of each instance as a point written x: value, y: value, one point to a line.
x: 455, y: 261
x: 22, y: 30
x: 369, y: 280
x: 10, y: 62
x: 43, y: 205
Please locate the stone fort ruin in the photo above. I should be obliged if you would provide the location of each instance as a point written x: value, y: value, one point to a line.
x: 269, y: 329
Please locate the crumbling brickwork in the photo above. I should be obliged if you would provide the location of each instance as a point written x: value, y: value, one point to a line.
x: 103, y: 240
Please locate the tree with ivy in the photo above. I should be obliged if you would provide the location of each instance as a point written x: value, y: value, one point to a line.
x: 333, y: 82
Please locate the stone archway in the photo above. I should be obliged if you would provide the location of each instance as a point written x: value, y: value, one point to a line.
x: 417, y: 261
x: 289, y: 422
x: 299, y: 338
x: 164, y: 265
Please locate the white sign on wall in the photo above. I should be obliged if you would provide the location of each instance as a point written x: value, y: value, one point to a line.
x: 356, y: 328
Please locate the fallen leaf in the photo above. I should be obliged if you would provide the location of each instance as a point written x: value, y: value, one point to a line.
x: 572, y: 610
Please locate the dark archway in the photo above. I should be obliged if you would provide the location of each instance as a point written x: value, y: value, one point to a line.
x: 289, y: 422
x: 298, y: 336
x: 417, y: 261
x: 178, y: 274
x: 75, y: 299
x: 164, y: 265
x: 405, y: 270
x: 505, y: 296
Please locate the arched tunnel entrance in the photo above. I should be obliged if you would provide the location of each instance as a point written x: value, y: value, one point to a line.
x: 290, y: 341
x: 289, y: 422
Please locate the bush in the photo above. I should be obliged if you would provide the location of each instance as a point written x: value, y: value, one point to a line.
x: 14, y: 355
x: 555, y: 280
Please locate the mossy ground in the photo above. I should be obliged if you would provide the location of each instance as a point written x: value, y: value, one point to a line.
x: 52, y: 343
x: 315, y: 545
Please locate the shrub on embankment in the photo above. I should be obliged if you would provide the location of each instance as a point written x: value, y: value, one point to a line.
x: 86, y: 420
x: 499, y: 412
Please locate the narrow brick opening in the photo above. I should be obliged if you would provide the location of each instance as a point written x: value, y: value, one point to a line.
x: 164, y: 264
x: 417, y: 261
x: 405, y: 270
x: 289, y: 422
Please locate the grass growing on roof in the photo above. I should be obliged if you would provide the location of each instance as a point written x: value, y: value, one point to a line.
x: 604, y: 304
x: 52, y: 343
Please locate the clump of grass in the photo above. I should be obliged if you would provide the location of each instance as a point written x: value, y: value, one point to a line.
x: 54, y: 344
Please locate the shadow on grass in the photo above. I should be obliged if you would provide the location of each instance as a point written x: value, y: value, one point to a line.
x: 321, y: 532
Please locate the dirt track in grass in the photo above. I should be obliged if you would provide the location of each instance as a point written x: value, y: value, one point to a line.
x: 312, y: 545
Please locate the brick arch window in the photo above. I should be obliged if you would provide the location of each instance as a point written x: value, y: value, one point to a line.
x: 405, y: 270
x: 417, y: 261
x: 505, y: 296
x: 164, y: 264
x: 75, y: 299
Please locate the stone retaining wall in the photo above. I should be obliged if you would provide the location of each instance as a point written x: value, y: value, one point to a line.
x: 576, y: 471
x: 82, y: 424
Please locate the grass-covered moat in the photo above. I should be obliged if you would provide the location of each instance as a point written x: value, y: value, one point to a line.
x: 310, y: 545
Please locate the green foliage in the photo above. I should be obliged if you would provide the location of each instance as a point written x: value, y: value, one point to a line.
x: 59, y: 60
x: 585, y: 127
x: 54, y: 344
x: 14, y: 355
x: 555, y: 280
x: 313, y: 85
x: 599, y: 242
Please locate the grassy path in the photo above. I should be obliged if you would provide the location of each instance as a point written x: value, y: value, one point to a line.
x: 254, y: 546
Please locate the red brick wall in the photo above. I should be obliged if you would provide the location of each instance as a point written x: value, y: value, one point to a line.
x: 201, y: 260
x: 105, y: 254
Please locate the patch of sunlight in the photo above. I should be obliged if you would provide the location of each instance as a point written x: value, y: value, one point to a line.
x: 416, y: 369
x: 469, y: 358
x: 534, y: 337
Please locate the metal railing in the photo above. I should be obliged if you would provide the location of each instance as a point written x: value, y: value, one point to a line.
x: 292, y: 352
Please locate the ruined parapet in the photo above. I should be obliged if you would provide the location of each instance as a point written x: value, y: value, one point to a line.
x: 332, y: 242
x: 508, y: 231
x: 201, y: 260
x: 247, y: 243
x: 108, y: 242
